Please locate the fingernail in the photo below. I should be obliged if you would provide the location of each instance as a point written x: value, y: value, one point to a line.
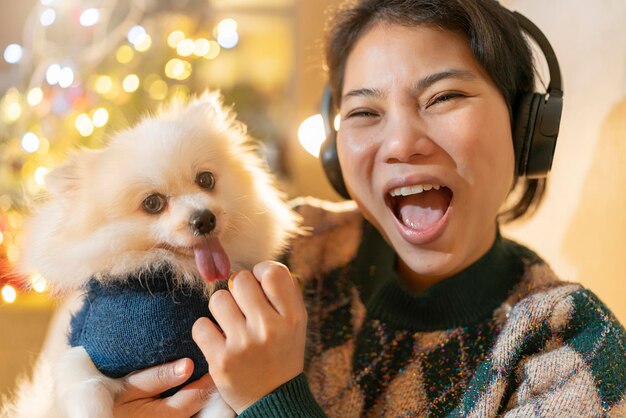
x: 180, y: 368
x: 231, y: 279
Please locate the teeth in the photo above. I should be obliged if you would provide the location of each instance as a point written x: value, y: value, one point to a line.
x: 409, y: 190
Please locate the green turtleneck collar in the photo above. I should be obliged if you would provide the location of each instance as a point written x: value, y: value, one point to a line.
x: 463, y: 299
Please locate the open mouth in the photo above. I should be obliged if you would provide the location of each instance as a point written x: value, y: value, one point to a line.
x: 420, y: 207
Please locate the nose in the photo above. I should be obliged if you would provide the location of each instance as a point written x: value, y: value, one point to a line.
x: 406, y: 139
x: 202, y: 222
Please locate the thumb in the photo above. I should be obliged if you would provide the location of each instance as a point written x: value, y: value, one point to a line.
x: 151, y: 382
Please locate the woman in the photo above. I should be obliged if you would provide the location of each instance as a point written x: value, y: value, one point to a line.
x: 416, y: 305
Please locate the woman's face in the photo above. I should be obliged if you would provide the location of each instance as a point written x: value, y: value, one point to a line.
x: 418, y: 112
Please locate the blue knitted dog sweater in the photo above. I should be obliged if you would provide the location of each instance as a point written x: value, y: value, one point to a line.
x: 138, y: 322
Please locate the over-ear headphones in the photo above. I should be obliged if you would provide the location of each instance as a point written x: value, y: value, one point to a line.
x: 535, y: 125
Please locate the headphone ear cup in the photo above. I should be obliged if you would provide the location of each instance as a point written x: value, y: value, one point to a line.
x: 330, y: 163
x: 523, y: 130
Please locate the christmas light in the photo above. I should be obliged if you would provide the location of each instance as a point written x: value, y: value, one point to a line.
x: 13, y: 53
x: 157, y: 90
x: 1, y: 237
x: 40, y: 176
x: 124, y: 54
x: 8, y: 293
x: 53, y: 74
x: 47, y: 17
x: 177, y: 69
x: 135, y: 33
x: 30, y: 142
x: 100, y: 117
x: 185, y: 47
x: 66, y: 77
x: 89, y: 17
x: 84, y: 125
x: 201, y: 47
x: 228, y: 39
x: 38, y: 283
x: 174, y: 38
x: 143, y: 42
x: 227, y: 25
x: 13, y: 111
x: 35, y: 96
x: 104, y: 84
x: 214, y: 50
x: 311, y: 134
x: 130, y: 83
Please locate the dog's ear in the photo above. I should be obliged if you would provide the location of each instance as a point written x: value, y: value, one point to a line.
x: 66, y: 179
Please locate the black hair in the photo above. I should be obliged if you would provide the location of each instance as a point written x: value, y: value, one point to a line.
x: 495, y: 39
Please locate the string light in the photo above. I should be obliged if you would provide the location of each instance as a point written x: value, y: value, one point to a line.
x: 124, y: 54
x: 35, y: 96
x: 30, y: 142
x: 66, y: 77
x: 311, y: 134
x: 38, y: 283
x: 53, y: 74
x: 214, y: 50
x: 130, y: 83
x: 13, y: 111
x: 227, y: 35
x: 100, y: 117
x: 84, y: 125
x: 135, y: 33
x: 8, y: 293
x: 104, y: 84
x: 13, y: 53
x: 174, y: 38
x: 185, y: 47
x: 143, y: 42
x: 89, y: 17
x: 40, y: 175
x: 47, y: 17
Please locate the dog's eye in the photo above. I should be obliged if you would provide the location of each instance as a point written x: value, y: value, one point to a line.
x: 206, y: 180
x: 155, y: 203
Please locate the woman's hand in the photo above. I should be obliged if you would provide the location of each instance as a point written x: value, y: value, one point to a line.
x: 140, y: 396
x: 263, y: 331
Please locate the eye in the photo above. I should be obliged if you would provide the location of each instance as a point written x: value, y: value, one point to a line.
x: 154, y: 204
x: 361, y: 113
x: 444, y: 97
x: 206, y: 180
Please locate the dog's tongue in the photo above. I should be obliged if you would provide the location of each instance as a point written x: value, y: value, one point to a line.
x: 423, y: 210
x: 211, y: 260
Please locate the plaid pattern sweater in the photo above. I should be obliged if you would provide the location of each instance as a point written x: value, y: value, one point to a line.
x: 505, y: 337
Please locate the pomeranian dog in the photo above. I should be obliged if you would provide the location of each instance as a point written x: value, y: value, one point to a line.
x: 147, y: 227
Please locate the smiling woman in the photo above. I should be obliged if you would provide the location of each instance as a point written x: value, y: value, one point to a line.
x: 418, y: 306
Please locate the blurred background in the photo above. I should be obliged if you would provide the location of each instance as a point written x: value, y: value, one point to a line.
x: 73, y: 72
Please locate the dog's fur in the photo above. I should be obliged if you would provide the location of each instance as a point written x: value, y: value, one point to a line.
x: 94, y: 224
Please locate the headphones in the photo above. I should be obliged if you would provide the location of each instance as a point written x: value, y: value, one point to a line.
x: 535, y: 126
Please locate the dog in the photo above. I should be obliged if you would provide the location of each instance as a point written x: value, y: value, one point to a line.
x: 147, y: 228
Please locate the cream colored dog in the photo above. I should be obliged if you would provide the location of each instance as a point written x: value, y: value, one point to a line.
x: 183, y: 191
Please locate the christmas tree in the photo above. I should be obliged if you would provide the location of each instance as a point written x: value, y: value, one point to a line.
x: 88, y: 68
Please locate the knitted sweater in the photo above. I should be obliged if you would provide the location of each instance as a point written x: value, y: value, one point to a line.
x: 503, y: 337
x: 138, y: 322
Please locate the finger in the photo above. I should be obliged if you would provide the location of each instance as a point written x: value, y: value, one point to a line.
x: 193, y: 397
x: 208, y: 338
x: 227, y: 314
x: 280, y: 288
x: 249, y: 296
x: 155, y: 380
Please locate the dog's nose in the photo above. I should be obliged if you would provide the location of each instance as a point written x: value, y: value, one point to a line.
x: 202, y: 222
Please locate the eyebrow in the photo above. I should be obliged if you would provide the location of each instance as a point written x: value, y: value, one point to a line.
x: 421, y: 85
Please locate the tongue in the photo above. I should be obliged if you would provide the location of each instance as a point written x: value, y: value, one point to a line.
x: 423, y: 210
x: 211, y: 260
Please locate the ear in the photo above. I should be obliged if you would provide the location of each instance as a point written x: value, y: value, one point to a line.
x: 67, y: 178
